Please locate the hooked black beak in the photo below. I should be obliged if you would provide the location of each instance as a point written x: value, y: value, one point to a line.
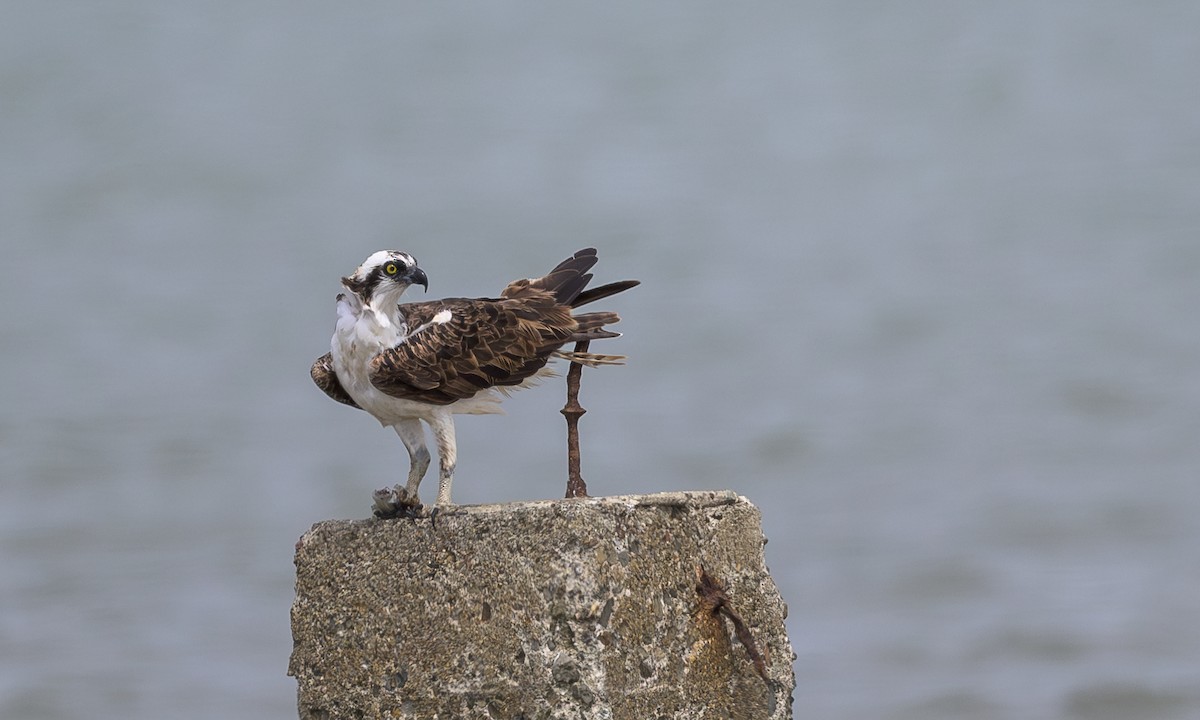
x: 418, y: 277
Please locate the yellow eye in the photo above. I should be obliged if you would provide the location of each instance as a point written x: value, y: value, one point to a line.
x: 390, y: 268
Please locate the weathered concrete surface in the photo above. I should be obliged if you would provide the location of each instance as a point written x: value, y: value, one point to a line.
x: 582, y: 608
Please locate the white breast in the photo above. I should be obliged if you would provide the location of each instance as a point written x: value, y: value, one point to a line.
x: 361, y: 334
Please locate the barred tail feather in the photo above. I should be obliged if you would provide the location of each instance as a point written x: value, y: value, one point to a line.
x: 590, y: 359
x: 596, y: 320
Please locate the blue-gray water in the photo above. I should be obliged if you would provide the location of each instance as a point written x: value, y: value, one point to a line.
x: 921, y: 280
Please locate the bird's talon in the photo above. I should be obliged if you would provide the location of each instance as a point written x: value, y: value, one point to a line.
x: 403, y: 498
x: 396, y: 502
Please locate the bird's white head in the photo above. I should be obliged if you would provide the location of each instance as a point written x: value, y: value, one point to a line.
x: 384, y: 276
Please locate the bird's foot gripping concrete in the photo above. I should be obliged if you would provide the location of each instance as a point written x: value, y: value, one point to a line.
x: 395, y: 502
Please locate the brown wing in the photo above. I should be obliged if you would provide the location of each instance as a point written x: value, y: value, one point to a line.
x: 484, y: 343
x: 326, y: 379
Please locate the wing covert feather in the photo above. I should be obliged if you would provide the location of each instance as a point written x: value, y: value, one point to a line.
x: 483, y: 343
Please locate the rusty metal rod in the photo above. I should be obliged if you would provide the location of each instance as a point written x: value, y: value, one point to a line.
x: 715, y: 600
x: 572, y: 411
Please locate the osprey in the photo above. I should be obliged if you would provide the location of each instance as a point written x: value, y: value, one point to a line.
x: 428, y: 361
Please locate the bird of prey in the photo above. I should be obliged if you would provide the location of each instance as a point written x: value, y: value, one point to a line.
x: 405, y: 363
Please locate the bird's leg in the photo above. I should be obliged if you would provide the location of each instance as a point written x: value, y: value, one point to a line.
x: 413, y: 436
x: 443, y: 434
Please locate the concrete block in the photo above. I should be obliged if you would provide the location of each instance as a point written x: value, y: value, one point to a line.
x: 584, y: 608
